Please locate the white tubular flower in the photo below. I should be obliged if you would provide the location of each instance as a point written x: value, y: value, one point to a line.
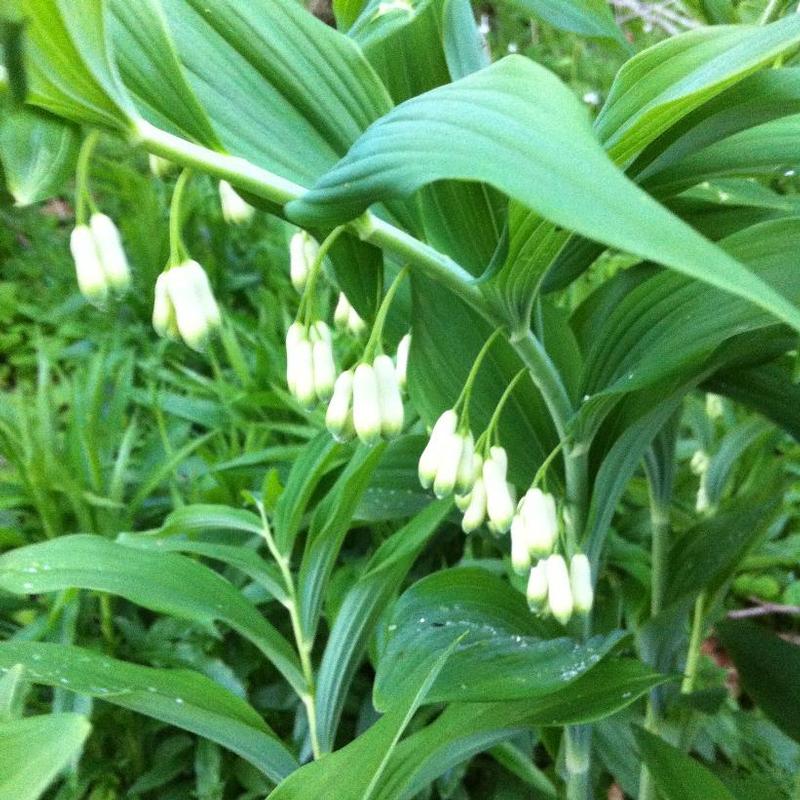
x: 196, y: 310
x: 462, y: 501
x: 355, y: 324
x: 88, y: 270
x: 447, y: 468
x: 538, y: 510
x: 402, y: 361
x: 520, y: 551
x: 389, y: 397
x: 342, y: 312
x: 475, y: 514
x: 700, y: 462
x: 235, y: 209
x: 429, y: 460
x: 499, y: 502
x: 164, y: 321
x: 465, y: 477
x: 110, y: 252
x: 294, y: 334
x: 537, y: 586
x: 339, y: 417
x: 160, y: 167
x: 714, y: 406
x: 580, y: 577
x: 366, y: 408
x: 324, y: 363
x: 303, y: 252
x: 303, y: 372
x: 559, y: 592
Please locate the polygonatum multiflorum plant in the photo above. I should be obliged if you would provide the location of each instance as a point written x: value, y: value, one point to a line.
x: 501, y: 310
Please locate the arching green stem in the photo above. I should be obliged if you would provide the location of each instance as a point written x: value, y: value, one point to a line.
x: 84, y: 203
x: 374, y: 346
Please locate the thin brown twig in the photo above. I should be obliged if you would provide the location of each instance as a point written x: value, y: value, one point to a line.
x: 763, y: 609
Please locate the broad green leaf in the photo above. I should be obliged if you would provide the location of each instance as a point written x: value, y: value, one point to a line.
x: 504, y: 652
x: 330, y: 525
x: 38, y: 153
x: 769, y: 389
x: 12, y: 692
x: 676, y: 775
x: 182, y: 698
x: 357, y: 769
x: 34, y: 750
x: 584, y: 17
x: 196, y: 518
x: 70, y: 67
x: 463, y: 45
x: 659, y: 86
x: 516, y: 127
x: 320, y: 456
x: 360, y: 611
x: 465, y: 729
x: 346, y: 12
x: 769, y: 669
x: 708, y: 554
x: 163, y: 582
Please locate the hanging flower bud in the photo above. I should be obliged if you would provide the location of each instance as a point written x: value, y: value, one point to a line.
x: 520, y: 550
x: 88, y: 269
x: 447, y: 468
x: 160, y: 167
x: 324, y: 363
x: 714, y: 406
x: 499, y: 502
x: 538, y: 513
x: 389, y: 398
x: 303, y: 252
x: 465, y: 477
x: 429, y: 460
x: 339, y: 417
x: 700, y: 462
x: 341, y: 313
x: 536, y: 591
x: 462, y: 501
x: 164, y: 320
x: 355, y: 324
x: 402, y: 361
x: 475, y: 514
x: 580, y: 577
x: 235, y: 210
x: 366, y: 408
x: 110, y: 252
x: 559, y: 592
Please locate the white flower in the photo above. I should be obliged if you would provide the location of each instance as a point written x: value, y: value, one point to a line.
x: 466, y: 476
x: 324, y: 363
x: 537, y: 514
x: 447, y: 468
x: 499, y: 501
x: 559, y: 591
x: 366, y: 408
x: 160, y: 167
x: 110, y: 252
x: 475, y: 513
x: 536, y: 591
x: 339, y: 417
x: 235, y: 210
x: 429, y: 460
x: 164, y: 320
x: 389, y: 397
x: 89, y: 271
x: 580, y: 576
x: 714, y: 406
x: 402, y: 360
x: 303, y: 251
x: 700, y: 462
x: 520, y: 551
x: 345, y: 317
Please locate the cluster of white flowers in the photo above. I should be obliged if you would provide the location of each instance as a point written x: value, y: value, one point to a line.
x: 561, y: 592
x: 235, y: 210
x: 184, y: 305
x: 310, y: 365
x: 101, y: 266
x: 303, y: 252
x: 346, y: 318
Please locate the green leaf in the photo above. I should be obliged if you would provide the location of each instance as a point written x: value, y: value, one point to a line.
x: 769, y: 669
x: 676, y: 775
x: 357, y: 769
x: 584, y: 17
x: 347, y: 12
x: 38, y: 153
x: 12, y: 692
x: 659, y: 86
x: 34, y: 750
x: 465, y: 729
x: 361, y: 609
x: 504, y: 652
x: 516, y: 127
x: 182, y: 698
x: 329, y: 527
x: 163, y: 582
x: 463, y: 44
x: 200, y: 517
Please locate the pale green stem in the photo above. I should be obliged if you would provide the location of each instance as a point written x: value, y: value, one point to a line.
x: 83, y: 196
x: 695, y: 642
x: 375, y: 342
x: 578, y: 745
x: 177, y: 249
x: 771, y: 12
